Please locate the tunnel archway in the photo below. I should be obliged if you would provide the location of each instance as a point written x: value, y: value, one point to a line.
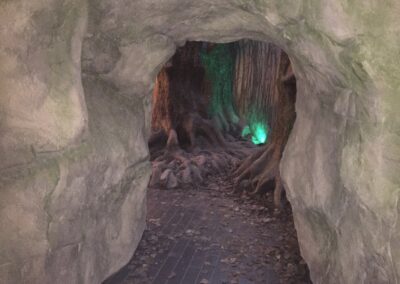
x: 59, y: 139
x: 210, y: 103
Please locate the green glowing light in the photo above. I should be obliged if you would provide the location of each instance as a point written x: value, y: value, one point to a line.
x: 246, y: 131
x: 258, y: 132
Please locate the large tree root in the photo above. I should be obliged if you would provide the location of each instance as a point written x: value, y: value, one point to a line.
x: 184, y: 169
x: 177, y: 165
x: 260, y: 169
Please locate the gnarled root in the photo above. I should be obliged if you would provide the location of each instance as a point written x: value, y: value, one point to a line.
x: 261, y: 168
x: 196, y: 125
x: 177, y: 164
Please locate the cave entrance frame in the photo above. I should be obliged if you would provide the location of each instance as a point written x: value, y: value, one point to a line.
x: 341, y: 107
x: 313, y: 152
x: 319, y: 85
x: 300, y: 81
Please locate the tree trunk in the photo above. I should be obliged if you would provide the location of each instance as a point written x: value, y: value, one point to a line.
x: 218, y: 61
x: 179, y: 101
x: 265, y: 91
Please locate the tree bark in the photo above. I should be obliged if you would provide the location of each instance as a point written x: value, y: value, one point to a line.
x: 218, y: 61
x: 179, y: 101
x: 265, y: 89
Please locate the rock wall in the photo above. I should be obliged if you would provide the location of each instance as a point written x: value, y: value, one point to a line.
x: 75, y: 87
x: 74, y: 167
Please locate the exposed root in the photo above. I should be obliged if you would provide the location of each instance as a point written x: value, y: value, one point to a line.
x: 204, y: 127
x: 260, y: 169
x: 177, y: 167
x: 172, y: 141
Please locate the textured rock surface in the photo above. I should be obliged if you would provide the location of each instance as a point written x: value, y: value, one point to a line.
x: 74, y: 165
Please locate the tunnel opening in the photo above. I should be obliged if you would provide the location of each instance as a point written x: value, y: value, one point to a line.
x: 237, y: 98
x: 221, y: 116
x: 76, y: 81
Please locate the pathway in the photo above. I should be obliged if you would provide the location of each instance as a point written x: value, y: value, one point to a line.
x: 209, y: 236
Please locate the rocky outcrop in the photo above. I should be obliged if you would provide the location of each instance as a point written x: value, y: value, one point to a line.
x: 74, y: 168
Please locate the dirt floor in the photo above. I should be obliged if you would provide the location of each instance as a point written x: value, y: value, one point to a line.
x: 209, y: 235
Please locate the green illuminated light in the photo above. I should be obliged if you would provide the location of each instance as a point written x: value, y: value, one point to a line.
x: 258, y: 132
x: 246, y: 131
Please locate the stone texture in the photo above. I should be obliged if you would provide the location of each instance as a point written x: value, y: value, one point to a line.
x: 74, y: 164
x: 74, y: 167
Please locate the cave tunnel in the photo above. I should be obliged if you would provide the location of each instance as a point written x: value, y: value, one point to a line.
x: 221, y: 116
x: 76, y: 88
